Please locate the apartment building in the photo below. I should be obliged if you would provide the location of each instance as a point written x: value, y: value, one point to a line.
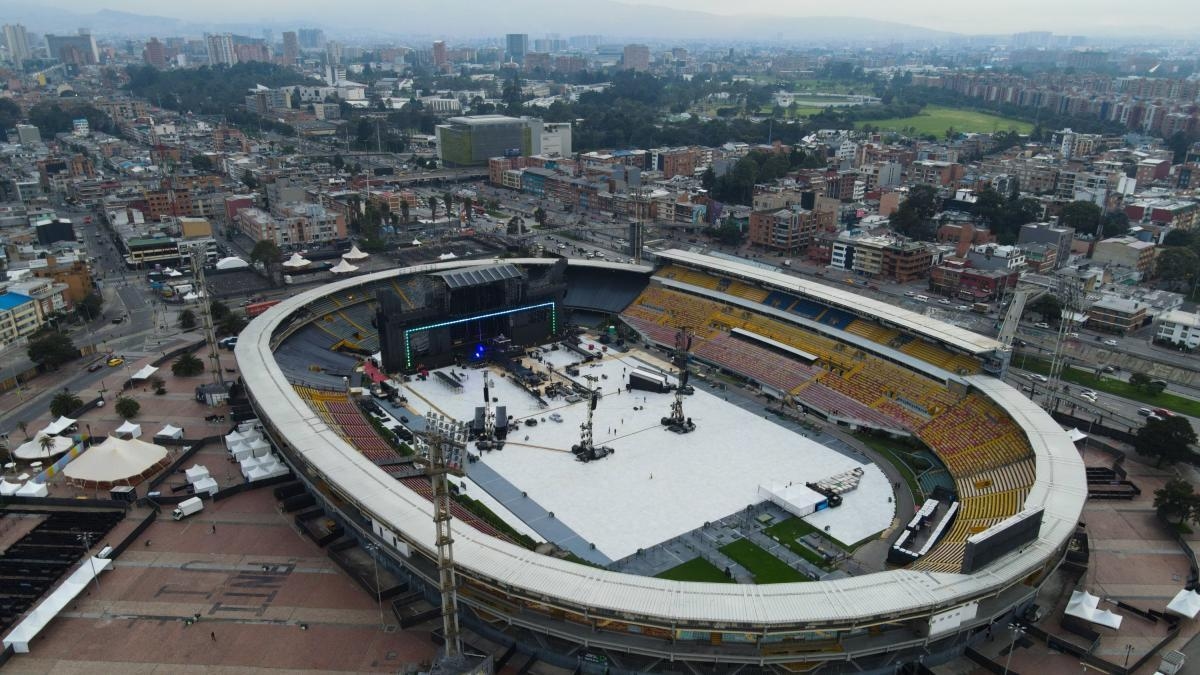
x: 1126, y: 252
x: 1116, y: 315
x: 18, y: 317
x: 786, y: 230
x: 1179, y: 328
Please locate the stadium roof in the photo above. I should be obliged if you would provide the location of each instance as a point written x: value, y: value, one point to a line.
x: 1060, y: 488
x: 960, y: 338
x: 480, y: 275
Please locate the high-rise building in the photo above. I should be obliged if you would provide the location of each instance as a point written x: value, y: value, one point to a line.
x: 291, y: 48
x: 472, y: 141
x: 27, y: 134
x: 155, y: 54
x: 220, y: 49
x: 79, y: 50
x: 439, y: 54
x: 18, y: 42
x: 516, y: 45
x: 636, y: 57
x: 312, y: 38
x: 584, y: 43
x: 333, y: 53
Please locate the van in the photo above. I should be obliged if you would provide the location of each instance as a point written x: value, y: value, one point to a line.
x: 922, y: 298
x: 787, y: 263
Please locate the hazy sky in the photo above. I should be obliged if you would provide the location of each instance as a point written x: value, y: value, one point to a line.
x: 1098, y: 17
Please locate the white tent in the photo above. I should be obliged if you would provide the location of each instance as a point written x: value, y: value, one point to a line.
x: 1076, y: 435
x: 7, y: 488
x: 31, y: 450
x: 231, y: 263
x: 205, y: 485
x: 260, y: 448
x: 354, y: 254
x: 169, y: 431
x: 416, y: 242
x: 192, y: 297
x: 296, y: 261
x: 1083, y: 605
x: 172, y: 272
x: 197, y: 472
x: 447, y: 256
x: 117, y: 461
x: 1185, y: 603
x: 33, y: 489
x: 343, y: 267
x: 130, y: 429
x: 145, y: 372
x: 58, y: 426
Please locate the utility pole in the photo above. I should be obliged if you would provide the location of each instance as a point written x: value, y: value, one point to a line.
x: 446, y: 437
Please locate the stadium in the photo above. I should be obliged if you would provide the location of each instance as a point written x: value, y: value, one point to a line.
x: 1009, y: 503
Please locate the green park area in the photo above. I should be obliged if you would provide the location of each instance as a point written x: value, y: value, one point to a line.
x: 696, y: 569
x: 935, y: 120
x: 788, y: 531
x: 766, y: 568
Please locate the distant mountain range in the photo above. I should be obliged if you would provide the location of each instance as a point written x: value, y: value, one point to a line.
x: 373, y: 19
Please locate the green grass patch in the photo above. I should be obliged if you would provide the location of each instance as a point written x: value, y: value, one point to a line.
x: 766, y: 568
x: 1181, y: 528
x: 889, y: 451
x: 788, y: 531
x: 1111, y: 385
x: 488, y: 516
x: 696, y: 569
x: 935, y: 120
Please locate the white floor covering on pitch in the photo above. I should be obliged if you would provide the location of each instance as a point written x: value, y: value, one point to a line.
x: 658, y: 484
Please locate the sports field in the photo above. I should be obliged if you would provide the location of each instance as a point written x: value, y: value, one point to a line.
x: 696, y: 569
x: 936, y: 120
x: 766, y: 568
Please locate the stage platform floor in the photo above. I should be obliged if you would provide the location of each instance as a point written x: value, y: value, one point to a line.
x: 658, y: 484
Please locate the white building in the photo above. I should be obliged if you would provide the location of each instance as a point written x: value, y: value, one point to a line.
x: 220, y: 49
x: 555, y: 139
x: 1179, y: 328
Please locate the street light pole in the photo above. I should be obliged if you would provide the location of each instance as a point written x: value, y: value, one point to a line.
x: 1017, y: 631
x: 374, y: 551
x: 85, y: 538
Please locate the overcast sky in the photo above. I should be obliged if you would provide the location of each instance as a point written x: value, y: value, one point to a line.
x: 1064, y: 17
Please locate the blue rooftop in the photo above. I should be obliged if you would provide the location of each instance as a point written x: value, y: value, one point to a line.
x: 11, y: 300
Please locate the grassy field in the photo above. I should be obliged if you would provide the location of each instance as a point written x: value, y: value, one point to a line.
x: 788, y: 531
x: 1109, y: 385
x: 936, y: 120
x: 696, y: 569
x: 766, y: 568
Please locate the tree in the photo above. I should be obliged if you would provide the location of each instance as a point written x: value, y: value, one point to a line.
x: 709, y: 178
x: 250, y: 181
x: 1166, y: 439
x: 47, y: 443
x: 1049, y: 307
x: 913, y: 217
x: 89, y: 307
x: 218, y: 309
x: 1176, y: 265
x: 1178, y: 237
x: 433, y: 202
x: 448, y: 203
x: 1176, y: 498
x: 127, y: 408
x: 64, y: 403
x: 1083, y: 216
x: 404, y: 210
x: 202, y: 163
x: 231, y: 324
x: 467, y: 204
x: 187, y: 319
x: 187, y: 365
x: 1139, y: 380
x: 51, y: 349
x: 539, y: 215
x: 267, y: 253
x: 1115, y: 224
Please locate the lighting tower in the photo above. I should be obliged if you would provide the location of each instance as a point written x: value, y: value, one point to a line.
x: 678, y: 422
x: 586, y: 450
x: 210, y: 334
x: 445, y: 437
x: 487, y: 440
x: 1070, y: 296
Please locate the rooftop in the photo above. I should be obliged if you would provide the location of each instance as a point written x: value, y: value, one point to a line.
x: 9, y: 300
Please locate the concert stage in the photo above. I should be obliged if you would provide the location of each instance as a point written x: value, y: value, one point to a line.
x: 658, y: 484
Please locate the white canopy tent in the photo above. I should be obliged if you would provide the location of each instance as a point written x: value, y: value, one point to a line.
x: 129, y: 429
x: 416, y: 242
x: 343, y: 267
x: 117, y: 461
x: 1185, y: 603
x: 1076, y: 435
x: 354, y: 254
x: 192, y: 297
x: 33, y: 489
x: 206, y: 485
x: 197, y: 472
x: 59, y: 425
x: 171, y: 272
x: 296, y: 261
x: 231, y: 263
x: 1083, y: 605
x: 7, y: 488
x: 169, y: 431
x: 447, y: 256
x: 145, y: 372
x: 32, y: 449
x: 259, y: 447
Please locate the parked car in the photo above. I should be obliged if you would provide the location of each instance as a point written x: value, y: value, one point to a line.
x: 1041, y: 324
x: 1111, y: 343
x: 1163, y: 412
x: 95, y: 366
x: 1145, y: 412
x: 115, y: 361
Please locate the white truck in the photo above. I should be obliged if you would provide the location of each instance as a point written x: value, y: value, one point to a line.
x: 187, y: 507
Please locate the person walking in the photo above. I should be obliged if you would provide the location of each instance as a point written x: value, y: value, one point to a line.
x: 213, y: 635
